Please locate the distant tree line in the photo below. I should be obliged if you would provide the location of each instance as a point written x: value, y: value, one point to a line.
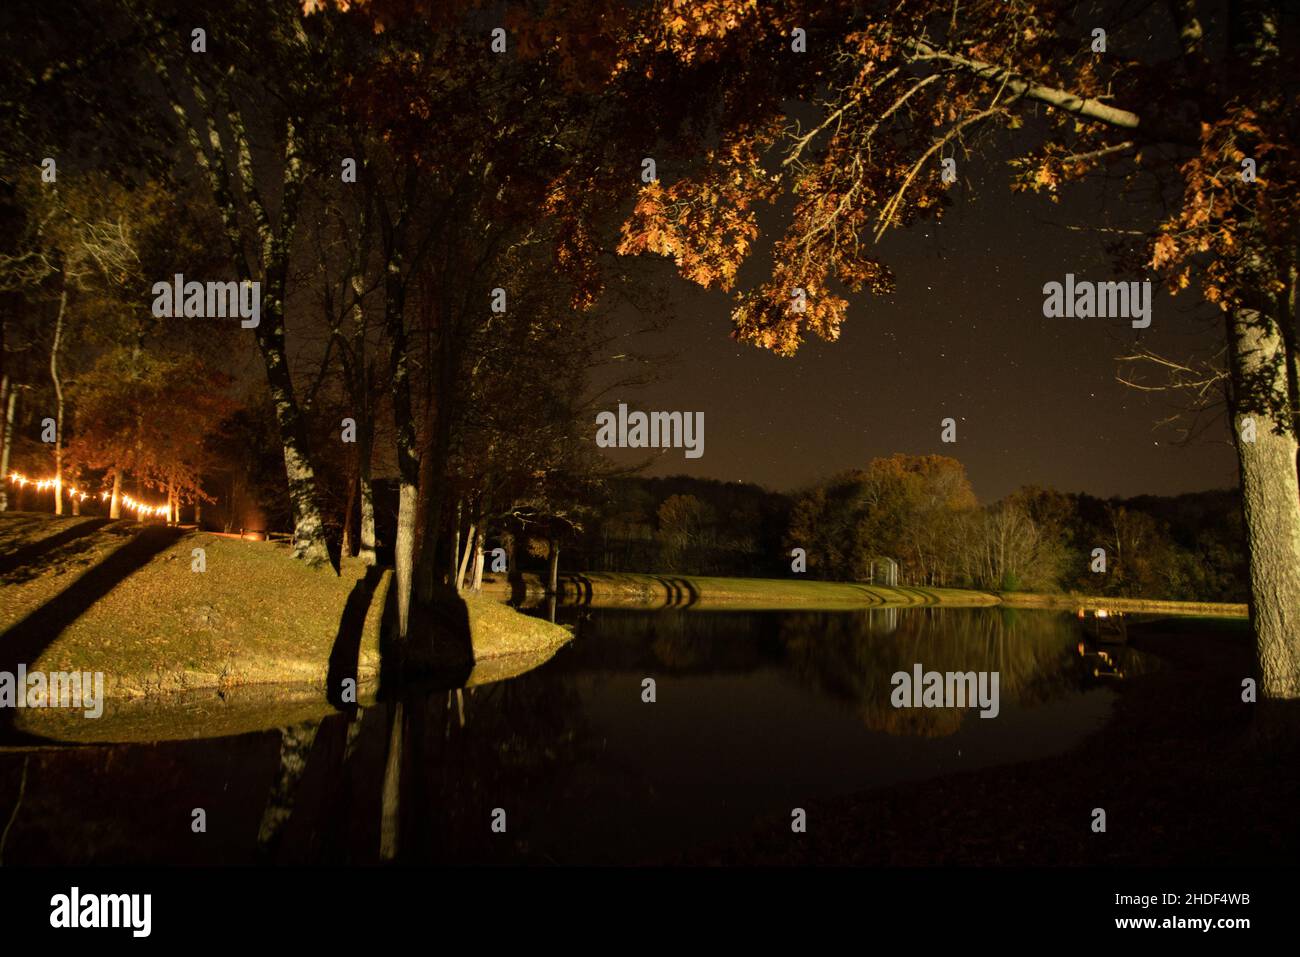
x: 921, y: 512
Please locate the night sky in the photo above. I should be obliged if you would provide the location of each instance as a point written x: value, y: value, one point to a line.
x: 1036, y: 400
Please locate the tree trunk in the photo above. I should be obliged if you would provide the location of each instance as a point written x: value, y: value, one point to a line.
x: 404, y: 548
x: 366, y: 490
x: 115, y: 500
x: 367, y: 552
x: 6, y: 441
x: 58, y: 393
x: 345, y: 550
x: 1270, y: 499
x: 552, y: 567
x: 479, y: 545
x: 308, y: 528
x: 408, y: 452
x: 464, y: 557
x: 455, y: 542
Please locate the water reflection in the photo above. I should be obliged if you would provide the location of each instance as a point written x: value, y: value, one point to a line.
x: 755, y: 713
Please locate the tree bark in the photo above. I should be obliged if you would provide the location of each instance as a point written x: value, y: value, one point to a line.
x: 1270, y: 497
x: 308, y: 528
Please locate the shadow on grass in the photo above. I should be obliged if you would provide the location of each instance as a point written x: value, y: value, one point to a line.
x: 25, y: 641
x: 438, y: 651
x: 678, y: 592
x: 581, y: 586
x: 20, y: 558
x: 347, y: 643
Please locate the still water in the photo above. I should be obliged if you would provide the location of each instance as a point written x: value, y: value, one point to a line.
x: 755, y: 713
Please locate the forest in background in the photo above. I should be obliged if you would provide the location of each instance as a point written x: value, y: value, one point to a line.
x: 921, y: 511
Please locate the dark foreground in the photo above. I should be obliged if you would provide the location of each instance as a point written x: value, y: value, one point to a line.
x: 755, y: 714
x: 1180, y: 773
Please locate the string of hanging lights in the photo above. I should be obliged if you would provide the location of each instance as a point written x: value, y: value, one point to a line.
x: 140, y: 508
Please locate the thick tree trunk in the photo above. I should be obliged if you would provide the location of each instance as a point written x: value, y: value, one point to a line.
x: 408, y: 452
x: 308, y: 528
x: 1270, y: 501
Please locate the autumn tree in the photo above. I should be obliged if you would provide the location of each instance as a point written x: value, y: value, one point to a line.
x: 80, y: 245
x: 904, y: 507
x: 486, y: 170
x: 1209, y: 115
x: 150, y: 416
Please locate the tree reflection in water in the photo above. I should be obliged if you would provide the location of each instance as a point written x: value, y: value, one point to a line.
x: 754, y: 711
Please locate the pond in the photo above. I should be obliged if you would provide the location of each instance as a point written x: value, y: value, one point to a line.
x: 753, y: 714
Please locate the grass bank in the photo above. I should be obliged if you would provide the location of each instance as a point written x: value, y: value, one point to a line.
x: 125, y: 600
x: 1205, y: 609
x: 643, y: 590
x: 627, y: 589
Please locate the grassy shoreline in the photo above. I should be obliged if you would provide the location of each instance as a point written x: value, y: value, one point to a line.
x: 633, y: 589
x: 120, y: 598
x: 1200, y: 609
x: 125, y: 599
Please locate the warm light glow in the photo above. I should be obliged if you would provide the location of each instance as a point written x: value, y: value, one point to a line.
x: 41, y: 485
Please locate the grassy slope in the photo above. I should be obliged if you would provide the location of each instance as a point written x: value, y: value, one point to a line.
x: 254, y: 616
